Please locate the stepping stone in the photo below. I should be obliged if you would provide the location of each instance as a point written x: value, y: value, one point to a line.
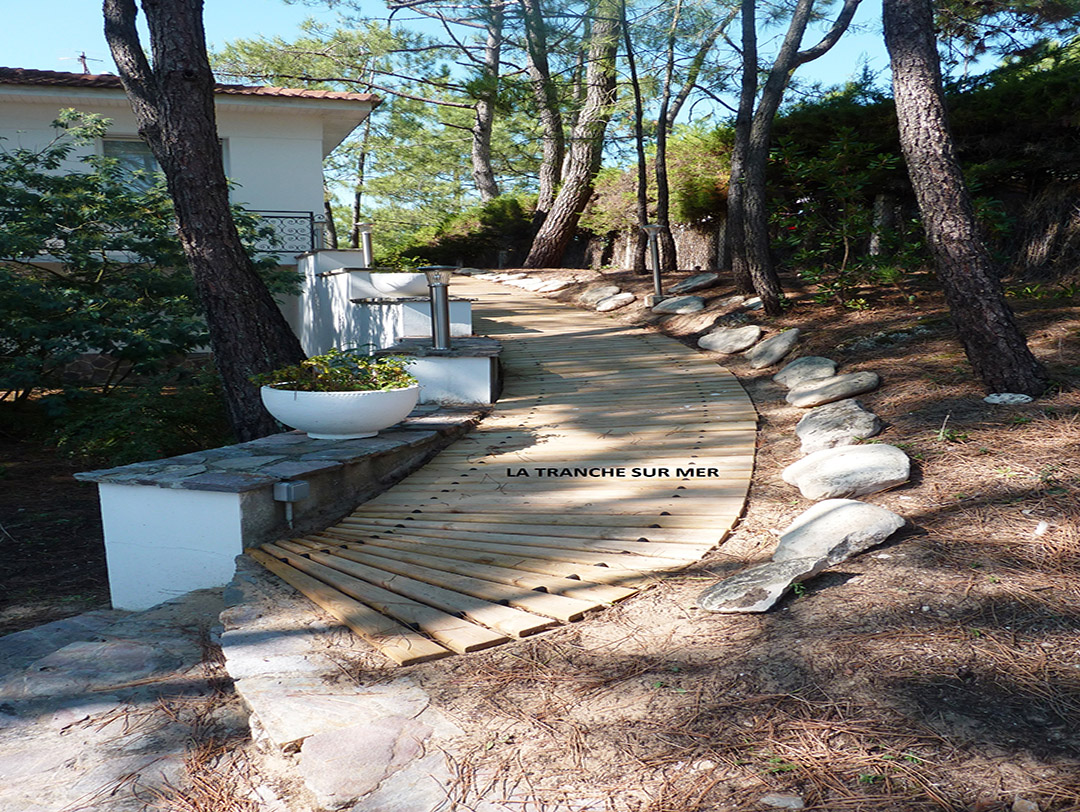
x: 827, y: 390
x: 597, y: 293
x: 771, y: 350
x: 1008, y: 399
x: 807, y: 368
x: 842, y: 422
x: 680, y: 305
x: 697, y: 282
x: 756, y: 589
x: 729, y: 303
x: 700, y: 322
x: 753, y: 303
x: 730, y: 339
x: 835, y: 530
x: 849, y: 471
x: 615, y: 302
x: 552, y: 286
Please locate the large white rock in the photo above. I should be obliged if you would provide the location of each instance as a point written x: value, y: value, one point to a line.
x: 756, y: 589
x: 849, y: 471
x: 596, y: 293
x: 615, y: 302
x: 696, y: 282
x: 730, y: 339
x: 771, y: 350
x: 843, y: 422
x: 680, y: 304
x: 835, y: 530
x: 807, y: 368
x: 838, y: 387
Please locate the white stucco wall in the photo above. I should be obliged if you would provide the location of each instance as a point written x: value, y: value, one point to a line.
x: 273, y: 147
x: 164, y: 542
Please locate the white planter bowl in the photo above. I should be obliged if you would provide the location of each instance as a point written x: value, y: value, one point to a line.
x: 340, y: 415
x: 400, y: 284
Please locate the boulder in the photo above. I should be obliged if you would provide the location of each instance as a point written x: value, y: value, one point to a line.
x: 807, y: 368
x: 696, y: 282
x: 615, y: 302
x: 593, y: 295
x: 835, y: 530
x: 680, y: 304
x: 730, y: 339
x: 843, y: 422
x: 772, y: 349
x: 849, y: 471
x: 756, y: 589
x: 553, y: 285
x: 728, y: 303
x: 827, y: 390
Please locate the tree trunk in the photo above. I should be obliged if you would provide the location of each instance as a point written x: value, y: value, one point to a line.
x: 735, y: 232
x: 358, y: 190
x: 484, y: 119
x: 586, y: 143
x: 635, y: 258
x: 330, y: 227
x: 994, y: 344
x: 545, y: 94
x: 174, y: 106
x: 749, y: 220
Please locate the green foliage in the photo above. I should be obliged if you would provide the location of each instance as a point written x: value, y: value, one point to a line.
x: 699, y: 163
x: 90, y: 263
x: 339, y: 371
x: 474, y: 237
x: 825, y: 217
x: 160, y: 417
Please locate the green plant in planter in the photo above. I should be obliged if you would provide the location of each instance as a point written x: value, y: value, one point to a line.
x: 339, y: 371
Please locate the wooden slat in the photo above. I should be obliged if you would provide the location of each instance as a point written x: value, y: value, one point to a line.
x: 698, y: 538
x: 399, y: 643
x: 527, y: 600
x: 560, y: 542
x: 453, y: 632
x: 463, y: 538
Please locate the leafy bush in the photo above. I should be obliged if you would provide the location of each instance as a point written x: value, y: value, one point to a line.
x: 475, y: 236
x: 90, y: 263
x: 339, y: 371
x: 162, y: 417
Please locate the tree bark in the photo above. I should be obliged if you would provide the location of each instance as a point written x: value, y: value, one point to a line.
x: 735, y: 232
x: 173, y: 101
x: 484, y: 117
x: 587, y: 140
x: 545, y: 94
x: 636, y: 257
x: 994, y: 344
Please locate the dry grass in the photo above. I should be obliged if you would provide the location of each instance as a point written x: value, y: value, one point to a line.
x: 937, y: 673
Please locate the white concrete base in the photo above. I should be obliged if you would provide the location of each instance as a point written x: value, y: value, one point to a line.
x: 385, y: 323
x: 456, y: 381
x: 161, y: 542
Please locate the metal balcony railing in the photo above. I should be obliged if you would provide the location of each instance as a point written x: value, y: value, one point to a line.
x: 295, y: 232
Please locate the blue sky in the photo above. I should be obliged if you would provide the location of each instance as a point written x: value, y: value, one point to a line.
x: 50, y: 34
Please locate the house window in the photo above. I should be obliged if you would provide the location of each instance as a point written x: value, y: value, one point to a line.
x: 133, y: 155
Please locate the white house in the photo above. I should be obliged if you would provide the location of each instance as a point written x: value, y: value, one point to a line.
x: 273, y: 142
x: 273, y: 139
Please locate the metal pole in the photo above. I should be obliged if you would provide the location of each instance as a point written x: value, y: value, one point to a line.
x: 438, y: 277
x: 654, y: 253
x: 365, y: 243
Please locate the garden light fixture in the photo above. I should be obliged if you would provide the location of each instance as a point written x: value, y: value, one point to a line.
x: 438, y: 278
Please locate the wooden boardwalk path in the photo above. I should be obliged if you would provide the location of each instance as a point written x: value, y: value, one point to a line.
x: 614, y: 454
